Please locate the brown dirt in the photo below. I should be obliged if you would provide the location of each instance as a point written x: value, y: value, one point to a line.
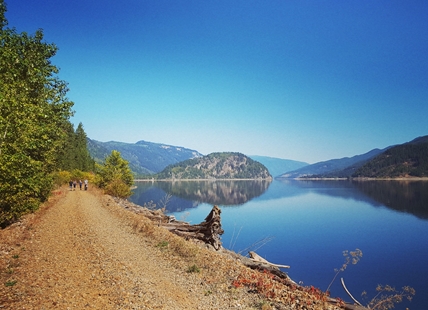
x: 81, y: 250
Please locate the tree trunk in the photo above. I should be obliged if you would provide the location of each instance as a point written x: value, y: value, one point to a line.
x: 208, y: 231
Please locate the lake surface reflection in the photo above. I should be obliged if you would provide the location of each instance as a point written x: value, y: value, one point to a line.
x: 312, y: 222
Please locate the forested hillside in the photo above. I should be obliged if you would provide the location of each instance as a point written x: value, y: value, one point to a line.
x: 405, y: 160
x: 226, y: 165
x: 143, y: 157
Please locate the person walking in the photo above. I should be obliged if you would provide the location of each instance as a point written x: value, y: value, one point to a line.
x: 71, y: 185
x: 80, y: 184
x: 74, y: 185
x: 86, y: 184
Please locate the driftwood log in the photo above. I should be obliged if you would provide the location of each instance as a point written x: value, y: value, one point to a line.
x: 208, y: 231
x: 257, y: 258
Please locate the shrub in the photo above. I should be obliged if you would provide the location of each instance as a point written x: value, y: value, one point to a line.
x: 115, y: 176
x: 118, y: 188
x: 193, y: 269
x: 61, y: 177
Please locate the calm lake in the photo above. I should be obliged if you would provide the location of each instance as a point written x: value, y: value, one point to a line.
x: 308, y: 224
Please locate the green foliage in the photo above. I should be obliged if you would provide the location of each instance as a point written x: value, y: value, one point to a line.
x: 10, y: 283
x: 61, y: 178
x: 193, y: 269
x: 163, y: 245
x: 118, y: 188
x: 75, y: 155
x: 115, y: 176
x: 33, y: 112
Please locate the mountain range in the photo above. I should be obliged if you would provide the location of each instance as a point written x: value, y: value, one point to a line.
x: 143, y: 157
x: 407, y: 159
x: 342, y: 167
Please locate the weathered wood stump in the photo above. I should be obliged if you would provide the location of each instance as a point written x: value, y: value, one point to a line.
x: 208, y: 231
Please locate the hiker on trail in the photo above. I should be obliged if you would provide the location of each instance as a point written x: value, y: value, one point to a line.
x: 80, y: 184
x: 86, y: 184
x: 74, y: 185
x: 71, y: 185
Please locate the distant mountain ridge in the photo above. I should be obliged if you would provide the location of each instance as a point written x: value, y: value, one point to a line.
x: 278, y: 166
x: 343, y: 167
x: 143, y: 157
x: 222, y: 165
x: 409, y: 159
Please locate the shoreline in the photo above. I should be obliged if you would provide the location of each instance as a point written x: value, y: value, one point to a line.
x: 360, y: 179
x: 296, y: 179
x: 192, y: 180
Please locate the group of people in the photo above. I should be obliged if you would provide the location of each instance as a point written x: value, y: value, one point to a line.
x: 73, y: 184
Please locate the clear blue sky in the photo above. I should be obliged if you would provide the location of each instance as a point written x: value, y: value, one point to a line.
x: 302, y: 80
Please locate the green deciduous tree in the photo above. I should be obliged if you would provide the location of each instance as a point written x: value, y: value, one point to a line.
x: 115, y: 176
x: 33, y: 111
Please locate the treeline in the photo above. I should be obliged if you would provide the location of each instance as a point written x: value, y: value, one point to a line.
x: 75, y: 155
x: 38, y: 143
x: 409, y: 159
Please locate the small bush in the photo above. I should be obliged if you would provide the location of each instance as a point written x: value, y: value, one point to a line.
x: 61, y: 178
x: 118, y: 188
x: 10, y: 283
x: 193, y: 269
x: 163, y: 244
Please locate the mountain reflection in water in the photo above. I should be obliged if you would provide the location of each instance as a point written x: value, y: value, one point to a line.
x: 189, y: 194
x: 404, y: 196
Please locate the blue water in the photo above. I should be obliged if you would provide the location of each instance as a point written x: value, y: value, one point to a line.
x: 308, y: 225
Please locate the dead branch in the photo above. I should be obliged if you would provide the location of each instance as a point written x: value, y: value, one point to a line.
x: 349, y: 293
x: 257, y: 258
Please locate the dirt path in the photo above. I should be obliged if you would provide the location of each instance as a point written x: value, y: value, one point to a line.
x: 83, y: 252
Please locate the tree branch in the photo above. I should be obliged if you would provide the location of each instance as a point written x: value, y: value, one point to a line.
x: 349, y: 293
